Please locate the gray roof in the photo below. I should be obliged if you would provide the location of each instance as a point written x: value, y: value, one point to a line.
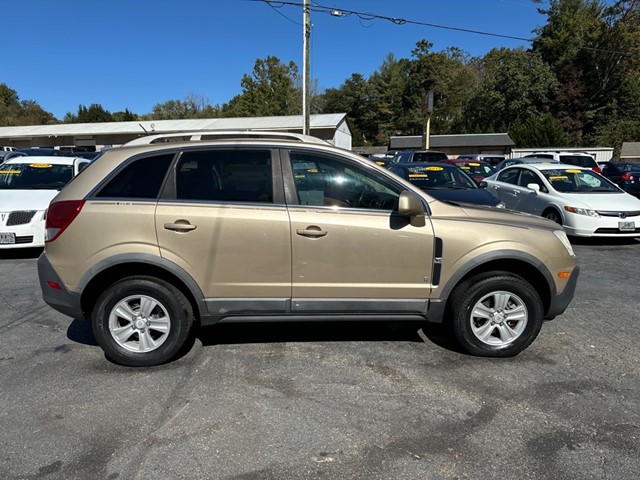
x: 630, y: 149
x: 460, y: 140
x: 330, y: 120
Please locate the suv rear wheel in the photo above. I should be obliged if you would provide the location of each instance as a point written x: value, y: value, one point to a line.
x: 496, y: 314
x: 142, y: 321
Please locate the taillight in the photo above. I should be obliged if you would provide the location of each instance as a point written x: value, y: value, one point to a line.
x: 627, y: 177
x: 59, y: 216
x: 597, y: 169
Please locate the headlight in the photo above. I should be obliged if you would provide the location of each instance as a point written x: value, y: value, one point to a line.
x: 582, y: 211
x: 562, y: 236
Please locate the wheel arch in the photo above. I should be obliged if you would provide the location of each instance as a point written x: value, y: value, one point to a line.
x: 514, y: 262
x: 111, y: 270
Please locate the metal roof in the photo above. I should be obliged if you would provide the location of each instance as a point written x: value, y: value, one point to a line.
x: 630, y: 149
x: 330, y: 120
x: 459, y: 140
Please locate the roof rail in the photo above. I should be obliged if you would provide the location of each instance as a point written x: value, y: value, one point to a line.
x: 207, y: 135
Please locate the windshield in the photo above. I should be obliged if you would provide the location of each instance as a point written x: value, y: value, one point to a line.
x: 434, y: 177
x: 578, y: 181
x: 477, y: 169
x: 34, y: 176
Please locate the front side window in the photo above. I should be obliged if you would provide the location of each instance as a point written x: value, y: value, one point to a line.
x: 225, y: 175
x: 508, y: 176
x: 331, y: 182
x: 142, y: 178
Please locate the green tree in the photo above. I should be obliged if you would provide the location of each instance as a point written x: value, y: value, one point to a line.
x: 269, y: 91
x: 193, y: 106
x: 538, y: 130
x: 515, y: 85
x: 94, y: 113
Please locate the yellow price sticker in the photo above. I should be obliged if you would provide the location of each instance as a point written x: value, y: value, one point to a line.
x: 418, y: 175
x: 558, y: 177
x: 474, y: 164
x: 573, y: 171
x: 435, y: 169
x: 40, y: 165
x: 10, y: 172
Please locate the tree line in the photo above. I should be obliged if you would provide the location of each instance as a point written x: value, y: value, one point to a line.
x: 577, y: 85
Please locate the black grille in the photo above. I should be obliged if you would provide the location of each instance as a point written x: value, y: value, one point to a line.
x: 20, y: 217
x: 617, y: 214
x: 25, y: 239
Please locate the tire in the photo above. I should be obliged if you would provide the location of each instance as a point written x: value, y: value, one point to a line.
x: 152, y: 318
x: 496, y: 314
x: 553, y: 215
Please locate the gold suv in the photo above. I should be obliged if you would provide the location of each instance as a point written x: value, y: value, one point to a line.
x: 169, y: 231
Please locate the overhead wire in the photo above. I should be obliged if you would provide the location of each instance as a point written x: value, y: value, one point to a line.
x: 363, y: 16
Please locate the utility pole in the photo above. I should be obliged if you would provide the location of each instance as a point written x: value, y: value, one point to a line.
x: 306, y: 25
x: 428, y: 107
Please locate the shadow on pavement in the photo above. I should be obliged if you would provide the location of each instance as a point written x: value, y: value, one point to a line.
x: 595, y: 241
x: 80, y: 331
x: 20, y: 253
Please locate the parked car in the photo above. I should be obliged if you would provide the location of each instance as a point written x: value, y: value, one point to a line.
x: 492, y: 159
x: 570, y: 158
x: 7, y: 149
x: 523, y: 160
x: 27, y: 185
x: 475, y: 169
x: 409, y: 156
x: 447, y: 183
x: 159, y: 235
x: 584, y: 203
x: 7, y: 154
x: 624, y: 174
x: 42, y: 152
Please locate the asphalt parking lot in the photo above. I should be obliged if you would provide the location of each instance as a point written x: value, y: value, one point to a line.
x: 330, y: 401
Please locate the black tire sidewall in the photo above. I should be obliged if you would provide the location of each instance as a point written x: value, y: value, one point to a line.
x: 470, y: 292
x: 172, y: 300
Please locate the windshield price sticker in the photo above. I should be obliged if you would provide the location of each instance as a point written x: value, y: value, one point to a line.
x: 9, y: 172
x: 573, y: 171
x: 435, y: 169
x: 418, y: 175
x: 558, y: 177
x: 474, y: 164
x: 40, y: 165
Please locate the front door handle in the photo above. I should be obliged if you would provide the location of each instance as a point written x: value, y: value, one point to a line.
x: 311, y: 232
x: 180, y: 226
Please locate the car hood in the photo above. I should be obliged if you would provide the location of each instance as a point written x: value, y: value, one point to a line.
x: 603, y: 201
x: 11, y: 200
x: 478, y: 196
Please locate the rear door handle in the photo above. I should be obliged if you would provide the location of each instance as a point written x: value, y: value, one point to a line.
x: 311, y: 232
x: 180, y: 226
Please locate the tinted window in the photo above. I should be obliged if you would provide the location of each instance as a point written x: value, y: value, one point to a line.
x: 435, y: 177
x: 141, y: 178
x: 225, y: 175
x: 581, y: 161
x: 508, y: 176
x: 328, y: 181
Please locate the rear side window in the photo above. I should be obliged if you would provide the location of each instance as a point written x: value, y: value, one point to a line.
x: 581, y: 161
x: 225, y: 175
x: 141, y: 178
x: 508, y: 176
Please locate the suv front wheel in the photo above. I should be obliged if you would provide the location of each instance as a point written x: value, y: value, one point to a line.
x: 142, y: 321
x: 496, y: 314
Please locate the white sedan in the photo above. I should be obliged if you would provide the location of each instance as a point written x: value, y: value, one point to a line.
x: 583, y: 202
x: 27, y: 185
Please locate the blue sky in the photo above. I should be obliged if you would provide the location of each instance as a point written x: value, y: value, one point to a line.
x: 135, y: 54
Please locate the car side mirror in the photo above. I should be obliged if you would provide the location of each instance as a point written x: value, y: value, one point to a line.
x: 410, y: 205
x: 534, y: 186
x: 483, y: 184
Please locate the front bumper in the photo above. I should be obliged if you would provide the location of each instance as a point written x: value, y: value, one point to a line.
x: 60, y: 299
x: 561, y: 301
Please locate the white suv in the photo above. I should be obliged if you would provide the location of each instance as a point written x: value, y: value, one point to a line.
x: 571, y: 158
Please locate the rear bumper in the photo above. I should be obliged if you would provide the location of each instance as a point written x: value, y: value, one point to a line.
x: 60, y: 299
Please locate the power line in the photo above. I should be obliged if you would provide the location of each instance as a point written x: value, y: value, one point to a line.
x: 339, y: 12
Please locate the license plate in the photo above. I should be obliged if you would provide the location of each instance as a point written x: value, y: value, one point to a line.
x: 7, y: 238
x: 626, y: 226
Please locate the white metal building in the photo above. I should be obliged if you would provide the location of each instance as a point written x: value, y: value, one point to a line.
x: 332, y: 127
